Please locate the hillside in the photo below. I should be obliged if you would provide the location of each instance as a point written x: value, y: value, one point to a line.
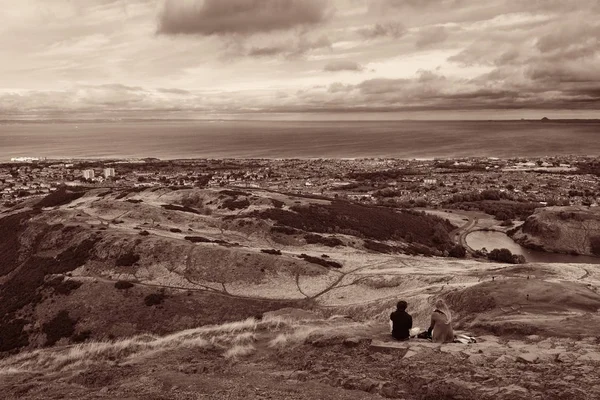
x: 179, y: 293
x: 570, y: 230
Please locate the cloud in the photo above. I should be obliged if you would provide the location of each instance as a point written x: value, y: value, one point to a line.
x: 431, y: 35
x: 391, y: 29
x: 296, y: 46
x: 245, y: 17
x: 342, y: 65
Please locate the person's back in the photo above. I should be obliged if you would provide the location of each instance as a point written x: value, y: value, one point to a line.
x: 401, y: 322
x: 441, y: 324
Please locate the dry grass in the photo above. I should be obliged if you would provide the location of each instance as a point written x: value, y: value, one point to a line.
x: 239, y: 350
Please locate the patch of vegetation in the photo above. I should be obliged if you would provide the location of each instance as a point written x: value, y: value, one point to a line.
x: 235, y: 204
x: 61, y: 326
x: 175, y: 230
x: 595, y: 245
x: 381, y: 247
x: 198, y: 239
x: 320, y: 261
x: 312, y: 238
x: 144, y: 233
x: 59, y: 197
x: 64, y: 287
x: 234, y: 193
x: 367, y: 222
x: 277, y: 203
x: 458, y: 251
x: 506, y: 256
x: 154, y: 299
x: 285, y: 230
x: 174, y: 207
x: 271, y: 251
x: 122, y: 285
x: 81, y: 336
x: 10, y: 229
x: 134, y: 201
x: 125, y: 192
x: 12, y: 336
x: 127, y: 259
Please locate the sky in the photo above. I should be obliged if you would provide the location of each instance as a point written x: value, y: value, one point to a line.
x: 300, y: 59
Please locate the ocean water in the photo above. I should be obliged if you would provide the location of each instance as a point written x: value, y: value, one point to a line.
x: 287, y: 139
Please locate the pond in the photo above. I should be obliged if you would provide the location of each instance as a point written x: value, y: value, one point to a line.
x: 497, y: 240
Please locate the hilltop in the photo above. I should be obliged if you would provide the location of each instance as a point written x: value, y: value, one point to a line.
x: 570, y: 230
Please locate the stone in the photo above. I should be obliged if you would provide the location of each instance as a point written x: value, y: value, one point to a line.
x: 591, y: 356
x: 390, y: 391
x: 505, y: 358
x: 410, y: 353
x: 387, y: 347
x: 565, y: 357
x: 527, y: 358
x: 476, y: 359
x: 353, y: 341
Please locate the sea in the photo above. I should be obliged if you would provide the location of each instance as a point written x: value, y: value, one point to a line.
x: 185, y: 139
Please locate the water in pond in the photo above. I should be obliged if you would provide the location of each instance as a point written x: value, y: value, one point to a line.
x: 498, y: 240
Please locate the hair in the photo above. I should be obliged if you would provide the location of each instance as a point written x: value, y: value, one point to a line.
x: 441, y: 306
x: 401, y: 305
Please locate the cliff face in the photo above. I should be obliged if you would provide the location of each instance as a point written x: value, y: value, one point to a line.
x: 571, y: 230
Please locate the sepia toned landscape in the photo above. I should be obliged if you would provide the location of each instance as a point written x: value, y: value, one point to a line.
x: 300, y: 199
x: 183, y: 277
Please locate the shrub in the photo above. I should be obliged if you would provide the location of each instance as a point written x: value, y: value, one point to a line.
x: 312, y: 238
x: 81, y: 336
x: 144, y: 233
x: 198, y: 239
x: 61, y: 326
x: 320, y: 261
x: 381, y: 247
x: 234, y: 204
x: 272, y: 251
x: 506, y: 256
x: 127, y: 260
x: 66, y: 287
x: 458, y: 251
x: 154, y: 299
x: 285, y: 230
x: 175, y: 230
x: 134, y: 201
x: 122, y: 285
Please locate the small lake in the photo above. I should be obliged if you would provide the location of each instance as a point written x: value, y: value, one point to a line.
x: 498, y: 240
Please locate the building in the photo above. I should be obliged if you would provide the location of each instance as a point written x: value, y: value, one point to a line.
x: 88, y: 174
x: 108, y: 172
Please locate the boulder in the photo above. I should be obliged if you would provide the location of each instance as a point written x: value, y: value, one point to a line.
x: 528, y: 358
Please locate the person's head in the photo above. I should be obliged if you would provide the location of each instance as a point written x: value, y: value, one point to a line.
x: 401, y: 305
x: 441, y: 305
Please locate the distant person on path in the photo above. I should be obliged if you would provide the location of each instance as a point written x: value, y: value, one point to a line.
x: 440, y: 330
x: 401, y: 321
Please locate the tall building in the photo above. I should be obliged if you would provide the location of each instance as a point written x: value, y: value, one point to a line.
x: 108, y: 172
x: 88, y: 174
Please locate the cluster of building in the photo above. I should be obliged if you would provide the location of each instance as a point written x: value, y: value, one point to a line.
x: 404, y: 182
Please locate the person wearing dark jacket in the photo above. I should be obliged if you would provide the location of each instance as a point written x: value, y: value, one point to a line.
x: 401, y: 321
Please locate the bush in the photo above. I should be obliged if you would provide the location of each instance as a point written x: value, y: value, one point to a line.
x: 122, y: 285
x: 381, y: 247
x: 173, y: 207
x: 271, y: 251
x: 277, y: 203
x: 127, y: 260
x: 312, y: 238
x: 66, y: 287
x: 61, y: 326
x: 144, y: 233
x: 458, y: 251
x: 320, y: 261
x: 505, y: 256
x: 175, y: 230
x: 154, y: 299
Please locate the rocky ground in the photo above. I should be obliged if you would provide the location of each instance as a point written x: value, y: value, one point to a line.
x: 333, y: 358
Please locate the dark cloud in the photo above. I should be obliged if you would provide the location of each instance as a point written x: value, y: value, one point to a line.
x: 431, y: 35
x: 223, y: 17
x: 342, y: 65
x: 391, y: 29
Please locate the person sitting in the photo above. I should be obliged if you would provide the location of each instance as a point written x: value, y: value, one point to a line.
x: 440, y: 330
x: 401, y: 321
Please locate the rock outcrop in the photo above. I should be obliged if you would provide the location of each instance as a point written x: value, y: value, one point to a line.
x: 568, y: 230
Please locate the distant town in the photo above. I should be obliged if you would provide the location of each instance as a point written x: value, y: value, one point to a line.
x: 389, y: 182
